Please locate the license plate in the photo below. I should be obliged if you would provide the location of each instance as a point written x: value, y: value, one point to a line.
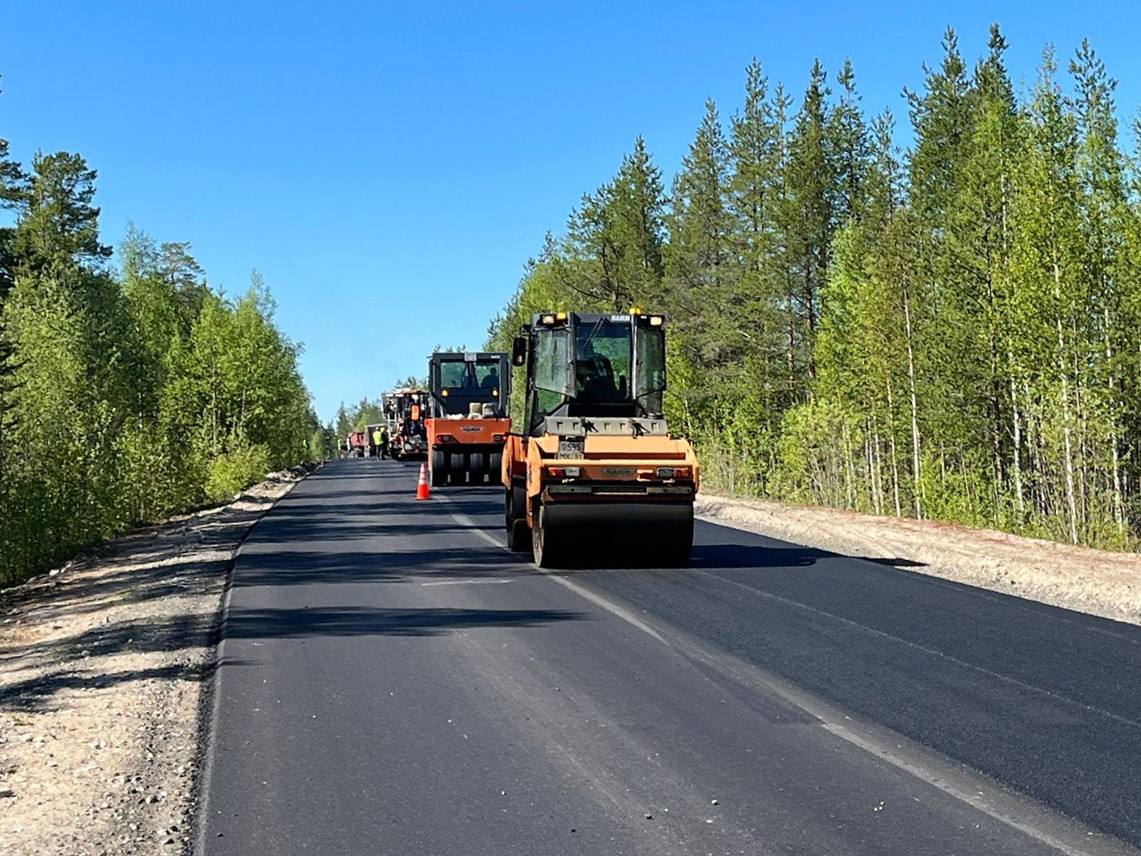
x: 618, y: 471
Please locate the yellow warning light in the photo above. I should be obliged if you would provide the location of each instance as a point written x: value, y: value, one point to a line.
x: 635, y: 310
x: 562, y: 316
x: 444, y: 393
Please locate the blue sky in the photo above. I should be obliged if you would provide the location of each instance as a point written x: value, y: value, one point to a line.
x: 389, y: 168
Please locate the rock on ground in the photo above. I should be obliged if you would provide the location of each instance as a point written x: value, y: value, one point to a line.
x: 104, y: 672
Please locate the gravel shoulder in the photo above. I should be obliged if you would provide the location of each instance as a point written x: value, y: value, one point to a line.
x: 1097, y: 582
x: 105, y: 669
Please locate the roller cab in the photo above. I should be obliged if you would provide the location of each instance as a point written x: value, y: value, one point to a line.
x: 595, y: 473
x: 469, y: 421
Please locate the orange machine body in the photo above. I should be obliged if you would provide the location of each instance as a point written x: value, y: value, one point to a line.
x: 451, y: 434
x: 609, y: 470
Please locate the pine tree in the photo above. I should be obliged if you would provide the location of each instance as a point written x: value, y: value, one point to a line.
x: 976, y: 291
x: 701, y: 271
x: 811, y: 183
x: 755, y: 329
x: 60, y: 223
x: 851, y: 149
x: 1047, y: 261
x: 699, y: 265
x: 1107, y: 219
x: 637, y: 218
x: 13, y: 197
x: 612, y: 257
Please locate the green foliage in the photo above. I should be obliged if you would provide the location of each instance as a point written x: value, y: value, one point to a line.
x: 952, y: 333
x: 230, y: 472
x: 125, y: 397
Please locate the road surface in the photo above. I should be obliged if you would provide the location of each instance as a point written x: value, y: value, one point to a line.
x: 392, y: 681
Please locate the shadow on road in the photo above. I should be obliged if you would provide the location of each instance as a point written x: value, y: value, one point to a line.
x: 286, y: 568
x: 366, y: 621
x: 753, y: 556
x: 177, y: 633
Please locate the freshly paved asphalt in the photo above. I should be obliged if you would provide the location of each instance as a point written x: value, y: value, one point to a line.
x: 393, y: 681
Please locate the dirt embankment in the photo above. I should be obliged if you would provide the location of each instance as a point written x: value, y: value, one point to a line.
x: 104, y: 666
x: 1097, y: 582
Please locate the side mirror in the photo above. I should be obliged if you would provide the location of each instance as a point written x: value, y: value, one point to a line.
x: 519, y: 351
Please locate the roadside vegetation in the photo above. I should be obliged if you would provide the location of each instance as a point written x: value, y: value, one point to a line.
x: 949, y: 332
x: 129, y: 392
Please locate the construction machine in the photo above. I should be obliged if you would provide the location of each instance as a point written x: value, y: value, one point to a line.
x: 356, y: 444
x: 405, y: 413
x: 469, y: 420
x: 594, y: 469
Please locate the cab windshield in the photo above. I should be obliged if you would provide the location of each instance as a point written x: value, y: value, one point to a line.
x: 613, y: 365
x: 603, y: 356
x: 470, y: 375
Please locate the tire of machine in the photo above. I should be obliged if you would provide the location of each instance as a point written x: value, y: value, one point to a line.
x: 518, y: 538
x: 478, y: 471
x: 438, y: 468
x: 457, y: 468
x: 494, y: 466
x: 548, y: 545
x: 539, y: 554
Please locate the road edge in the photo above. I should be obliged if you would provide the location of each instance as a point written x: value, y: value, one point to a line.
x: 208, y: 703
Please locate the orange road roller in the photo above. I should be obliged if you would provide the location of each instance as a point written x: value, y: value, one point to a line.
x: 469, y: 420
x: 594, y: 474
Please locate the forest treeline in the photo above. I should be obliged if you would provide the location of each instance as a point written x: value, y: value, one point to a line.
x: 952, y: 331
x: 357, y: 417
x: 126, y: 393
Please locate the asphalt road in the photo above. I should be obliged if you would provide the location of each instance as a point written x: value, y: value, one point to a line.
x: 392, y: 681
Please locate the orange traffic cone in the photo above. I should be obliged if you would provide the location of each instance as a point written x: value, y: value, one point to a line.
x: 422, y: 488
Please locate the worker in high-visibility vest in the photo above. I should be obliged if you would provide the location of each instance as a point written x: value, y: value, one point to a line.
x: 378, y: 441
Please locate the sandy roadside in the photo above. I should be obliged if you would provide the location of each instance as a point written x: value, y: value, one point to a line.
x: 1097, y: 582
x: 104, y: 666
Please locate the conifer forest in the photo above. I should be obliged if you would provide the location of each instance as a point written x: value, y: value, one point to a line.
x: 948, y: 328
